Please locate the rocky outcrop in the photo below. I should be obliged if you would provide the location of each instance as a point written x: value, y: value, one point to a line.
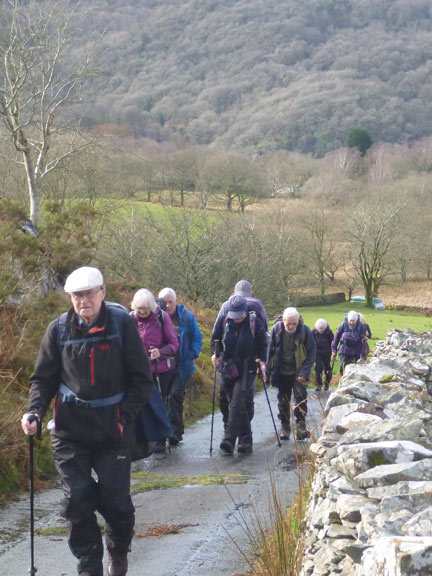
x: 370, y: 509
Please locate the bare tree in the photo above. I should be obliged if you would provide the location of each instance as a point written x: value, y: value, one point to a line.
x: 151, y: 176
x: 40, y: 83
x: 233, y: 176
x: 287, y: 171
x: 319, y: 247
x: 374, y: 232
x: 182, y: 171
x: 350, y: 280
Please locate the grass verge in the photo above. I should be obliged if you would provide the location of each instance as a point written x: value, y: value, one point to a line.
x: 144, y: 481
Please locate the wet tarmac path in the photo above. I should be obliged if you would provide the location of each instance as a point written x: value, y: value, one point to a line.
x: 214, y: 519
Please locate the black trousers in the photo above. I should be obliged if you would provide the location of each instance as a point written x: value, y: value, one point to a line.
x: 288, y: 384
x: 224, y: 402
x: 175, y: 404
x: 236, y: 401
x: 84, y: 495
x: 322, y: 364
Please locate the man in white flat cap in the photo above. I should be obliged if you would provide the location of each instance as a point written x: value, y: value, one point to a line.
x: 92, y: 359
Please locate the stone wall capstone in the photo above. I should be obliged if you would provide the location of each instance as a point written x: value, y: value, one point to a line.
x: 370, y: 508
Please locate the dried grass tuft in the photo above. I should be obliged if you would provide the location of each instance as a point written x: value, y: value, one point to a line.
x: 155, y: 529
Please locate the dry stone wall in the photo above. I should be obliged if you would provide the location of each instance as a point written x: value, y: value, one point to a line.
x: 370, y: 509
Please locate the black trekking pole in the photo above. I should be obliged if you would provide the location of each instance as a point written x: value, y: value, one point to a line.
x: 217, y: 355
x: 156, y: 375
x: 158, y: 384
x: 33, y: 569
x: 270, y: 408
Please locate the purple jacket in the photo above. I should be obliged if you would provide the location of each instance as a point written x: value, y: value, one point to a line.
x: 151, y: 336
x: 323, y: 341
x: 352, y: 342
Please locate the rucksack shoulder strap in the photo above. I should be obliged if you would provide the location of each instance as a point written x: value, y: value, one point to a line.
x: 118, y: 314
x: 62, y: 329
x: 278, y: 331
x: 161, y: 323
x: 252, y: 321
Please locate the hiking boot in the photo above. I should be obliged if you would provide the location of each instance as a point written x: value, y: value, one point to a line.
x: 244, y: 446
x: 285, y: 431
x: 175, y: 439
x: 326, y: 386
x: 302, y: 432
x: 318, y: 389
x: 117, y: 565
x: 159, y: 447
x: 95, y: 571
x: 226, y: 446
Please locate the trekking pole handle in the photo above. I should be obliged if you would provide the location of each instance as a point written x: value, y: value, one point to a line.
x: 217, y: 348
x: 36, y: 418
x: 259, y: 370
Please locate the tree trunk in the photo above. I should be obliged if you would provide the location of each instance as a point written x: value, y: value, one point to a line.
x: 368, y: 297
x: 33, y: 188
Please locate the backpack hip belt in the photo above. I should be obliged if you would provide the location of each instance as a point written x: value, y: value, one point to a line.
x: 70, y: 397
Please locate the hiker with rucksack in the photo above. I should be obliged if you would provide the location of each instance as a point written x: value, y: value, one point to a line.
x: 242, y: 288
x: 350, y: 337
x: 160, y: 341
x: 290, y: 357
x: 242, y: 340
x: 323, y: 337
x: 190, y: 342
x: 93, y: 361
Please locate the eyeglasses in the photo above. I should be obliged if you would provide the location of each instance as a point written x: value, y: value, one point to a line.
x: 89, y: 294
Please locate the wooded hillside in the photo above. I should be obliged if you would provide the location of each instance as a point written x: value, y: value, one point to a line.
x: 264, y: 74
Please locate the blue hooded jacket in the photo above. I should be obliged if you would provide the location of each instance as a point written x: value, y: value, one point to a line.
x: 190, y: 340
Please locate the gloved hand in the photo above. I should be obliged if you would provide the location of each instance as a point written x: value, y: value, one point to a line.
x: 29, y: 423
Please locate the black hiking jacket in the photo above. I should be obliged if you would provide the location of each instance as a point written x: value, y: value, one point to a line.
x: 94, y: 364
x: 241, y: 341
x: 305, y: 351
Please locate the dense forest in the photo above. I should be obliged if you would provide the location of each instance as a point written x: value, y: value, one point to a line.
x: 260, y: 75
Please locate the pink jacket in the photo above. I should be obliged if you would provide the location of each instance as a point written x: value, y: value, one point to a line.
x: 151, y: 336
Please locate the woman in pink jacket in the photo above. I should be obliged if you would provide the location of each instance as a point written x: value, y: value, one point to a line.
x: 160, y: 340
